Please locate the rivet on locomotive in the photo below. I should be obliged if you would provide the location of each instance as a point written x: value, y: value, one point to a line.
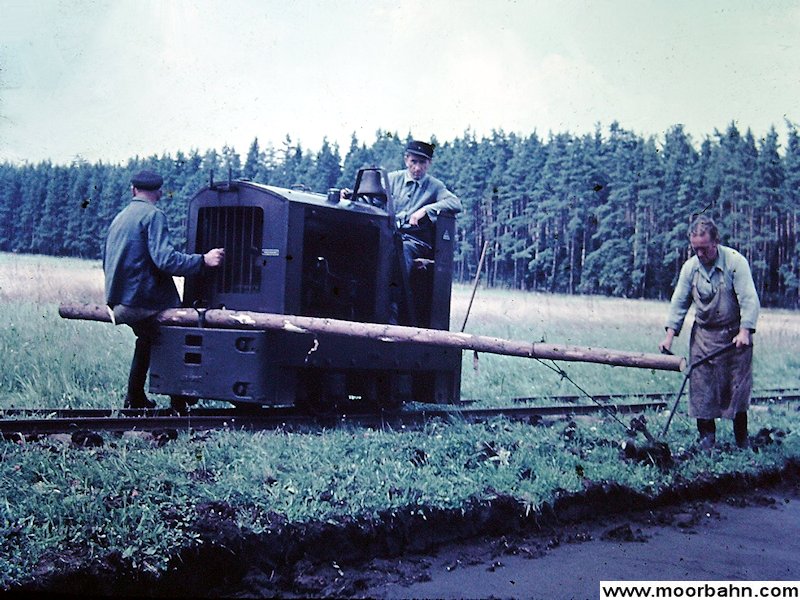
x: 295, y: 252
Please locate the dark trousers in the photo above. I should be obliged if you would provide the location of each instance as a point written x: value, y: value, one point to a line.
x: 400, y: 293
x: 145, y: 332
x: 415, y: 248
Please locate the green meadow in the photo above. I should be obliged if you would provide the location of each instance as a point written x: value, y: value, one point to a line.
x: 137, y: 498
x: 51, y: 362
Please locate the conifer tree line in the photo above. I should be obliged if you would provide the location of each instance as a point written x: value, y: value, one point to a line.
x: 590, y: 214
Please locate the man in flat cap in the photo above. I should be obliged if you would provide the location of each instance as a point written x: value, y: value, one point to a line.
x: 418, y: 199
x: 139, y: 262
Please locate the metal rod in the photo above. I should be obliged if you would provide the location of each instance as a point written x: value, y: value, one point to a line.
x: 475, y: 283
x: 687, y: 373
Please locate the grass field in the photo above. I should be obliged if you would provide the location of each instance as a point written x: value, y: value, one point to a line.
x: 140, y: 500
x: 52, y: 363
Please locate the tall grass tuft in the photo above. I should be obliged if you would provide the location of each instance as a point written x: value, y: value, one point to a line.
x: 142, y: 501
x: 49, y: 362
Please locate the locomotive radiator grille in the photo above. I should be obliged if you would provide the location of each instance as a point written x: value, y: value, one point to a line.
x: 238, y: 229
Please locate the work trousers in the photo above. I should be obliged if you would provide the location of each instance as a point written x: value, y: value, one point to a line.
x: 145, y: 331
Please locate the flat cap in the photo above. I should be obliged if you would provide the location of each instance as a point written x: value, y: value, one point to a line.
x: 420, y: 149
x: 147, y: 180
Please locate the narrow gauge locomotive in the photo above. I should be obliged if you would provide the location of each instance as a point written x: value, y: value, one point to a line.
x: 293, y: 252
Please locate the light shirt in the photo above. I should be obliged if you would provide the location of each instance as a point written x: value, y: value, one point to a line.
x: 730, y: 268
x: 410, y: 195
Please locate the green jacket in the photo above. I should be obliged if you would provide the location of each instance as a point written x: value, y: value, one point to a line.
x: 139, y: 260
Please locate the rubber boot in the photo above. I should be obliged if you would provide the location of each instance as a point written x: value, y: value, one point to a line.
x: 136, y: 398
x: 707, y: 429
x: 740, y: 430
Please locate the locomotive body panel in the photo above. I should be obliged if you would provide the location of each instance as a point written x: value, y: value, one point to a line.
x: 261, y: 367
x: 213, y: 363
x: 252, y: 229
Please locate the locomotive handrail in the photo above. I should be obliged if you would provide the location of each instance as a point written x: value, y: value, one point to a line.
x: 239, y: 319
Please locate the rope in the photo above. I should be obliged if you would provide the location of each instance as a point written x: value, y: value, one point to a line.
x: 564, y: 375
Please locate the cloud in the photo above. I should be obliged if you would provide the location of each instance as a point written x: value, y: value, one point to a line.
x: 110, y: 80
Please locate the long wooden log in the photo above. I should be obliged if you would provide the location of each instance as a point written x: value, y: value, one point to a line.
x: 238, y: 319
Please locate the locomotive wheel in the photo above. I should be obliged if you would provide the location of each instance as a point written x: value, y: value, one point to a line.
x: 313, y: 396
x: 389, y: 397
x: 180, y: 404
x: 389, y: 403
x: 379, y: 392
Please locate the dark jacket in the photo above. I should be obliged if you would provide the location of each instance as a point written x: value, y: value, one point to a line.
x: 139, y: 259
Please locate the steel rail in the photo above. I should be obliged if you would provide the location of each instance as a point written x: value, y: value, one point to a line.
x: 27, y: 422
x: 758, y: 396
x: 290, y: 412
x: 150, y: 420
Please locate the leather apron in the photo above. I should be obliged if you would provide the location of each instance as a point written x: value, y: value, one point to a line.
x: 722, y: 386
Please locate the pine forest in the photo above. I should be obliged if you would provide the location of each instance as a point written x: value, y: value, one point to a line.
x: 602, y: 213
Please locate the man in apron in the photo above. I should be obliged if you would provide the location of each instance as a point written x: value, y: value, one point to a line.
x: 717, y: 280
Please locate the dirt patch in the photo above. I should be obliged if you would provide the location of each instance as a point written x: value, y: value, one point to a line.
x: 728, y: 539
x: 400, y: 550
x: 659, y: 542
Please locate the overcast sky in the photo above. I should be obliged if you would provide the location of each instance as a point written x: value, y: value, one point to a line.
x: 111, y: 79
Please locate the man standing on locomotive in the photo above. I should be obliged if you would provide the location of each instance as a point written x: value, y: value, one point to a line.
x: 418, y: 199
x: 719, y: 283
x: 139, y: 262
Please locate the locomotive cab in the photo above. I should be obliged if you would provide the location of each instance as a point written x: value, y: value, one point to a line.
x: 294, y: 252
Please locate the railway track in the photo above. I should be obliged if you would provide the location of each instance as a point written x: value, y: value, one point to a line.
x: 21, y: 423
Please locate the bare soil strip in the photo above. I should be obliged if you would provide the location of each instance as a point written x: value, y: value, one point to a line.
x: 369, y: 558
